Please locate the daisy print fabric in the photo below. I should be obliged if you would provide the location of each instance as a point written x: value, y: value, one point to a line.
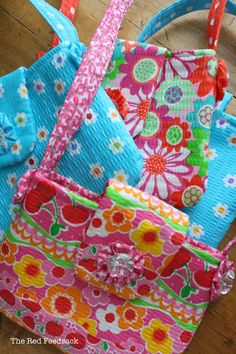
x: 213, y: 215
x: 167, y: 101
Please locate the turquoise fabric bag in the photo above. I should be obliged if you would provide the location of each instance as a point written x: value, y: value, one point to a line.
x: 212, y: 216
x: 30, y: 100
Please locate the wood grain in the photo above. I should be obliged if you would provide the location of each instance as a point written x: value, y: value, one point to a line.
x: 23, y: 32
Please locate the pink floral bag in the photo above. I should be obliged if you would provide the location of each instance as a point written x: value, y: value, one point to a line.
x: 109, y: 273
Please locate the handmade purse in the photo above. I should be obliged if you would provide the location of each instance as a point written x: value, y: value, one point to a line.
x: 101, y: 149
x: 67, y: 8
x: 167, y: 100
x: 105, y: 273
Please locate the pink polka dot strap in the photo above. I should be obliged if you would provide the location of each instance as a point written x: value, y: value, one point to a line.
x: 86, y: 83
x: 215, y: 22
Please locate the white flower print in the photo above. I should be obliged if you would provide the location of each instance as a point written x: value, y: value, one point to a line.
x: 16, y: 148
x: 163, y: 169
x: 90, y: 117
x: 212, y: 154
x: 196, y: 230
x: 21, y: 119
x: 222, y: 123
x: 31, y: 162
x: 22, y: 91
x: 221, y: 210
x: 96, y: 170
x: 58, y: 60
x: 113, y: 115
x: 108, y: 319
x: 11, y: 179
x: 232, y: 140
x: 121, y: 176
x: 116, y: 145
x: 59, y: 86
x: 42, y: 134
x: 230, y: 181
x: 39, y: 86
x: 74, y: 148
x: 1, y: 90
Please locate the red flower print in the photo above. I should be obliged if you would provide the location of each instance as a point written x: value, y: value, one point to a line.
x: 180, y: 259
x: 174, y: 134
x: 119, y: 101
x: 205, y: 75
x: 191, y: 195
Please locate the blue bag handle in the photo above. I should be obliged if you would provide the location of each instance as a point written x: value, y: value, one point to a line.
x: 175, y: 10
x: 60, y: 24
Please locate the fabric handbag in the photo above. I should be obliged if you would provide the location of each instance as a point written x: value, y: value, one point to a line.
x: 67, y: 8
x: 105, y: 273
x: 213, y: 215
x: 167, y: 100
x: 30, y: 100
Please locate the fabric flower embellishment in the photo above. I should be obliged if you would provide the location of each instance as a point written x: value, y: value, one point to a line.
x: 230, y: 181
x: 58, y: 60
x: 157, y: 337
x: 119, y: 264
x: 221, y: 210
x: 39, y: 86
x: 176, y: 94
x: 119, y: 101
x: 30, y: 271
x: 116, y: 145
x: 191, y: 194
x: 7, y: 134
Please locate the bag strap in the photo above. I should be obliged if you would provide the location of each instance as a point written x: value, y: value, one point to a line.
x: 68, y: 9
x: 86, y: 84
x: 60, y: 24
x: 183, y: 7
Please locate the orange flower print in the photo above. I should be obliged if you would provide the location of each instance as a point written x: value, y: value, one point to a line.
x: 29, y: 271
x: 147, y: 238
x: 157, y: 337
x: 65, y: 303
x: 7, y: 251
x: 118, y: 219
x: 205, y: 75
x: 26, y: 294
x: 130, y: 316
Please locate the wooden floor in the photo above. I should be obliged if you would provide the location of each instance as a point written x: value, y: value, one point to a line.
x: 23, y: 33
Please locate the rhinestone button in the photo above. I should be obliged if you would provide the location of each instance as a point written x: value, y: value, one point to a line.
x: 226, y: 283
x: 120, y: 265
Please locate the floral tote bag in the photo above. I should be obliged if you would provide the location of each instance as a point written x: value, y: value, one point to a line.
x: 29, y: 96
x: 167, y: 100
x: 105, y: 273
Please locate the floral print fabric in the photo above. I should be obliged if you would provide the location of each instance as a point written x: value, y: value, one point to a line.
x: 169, y: 98
x: 41, y: 289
